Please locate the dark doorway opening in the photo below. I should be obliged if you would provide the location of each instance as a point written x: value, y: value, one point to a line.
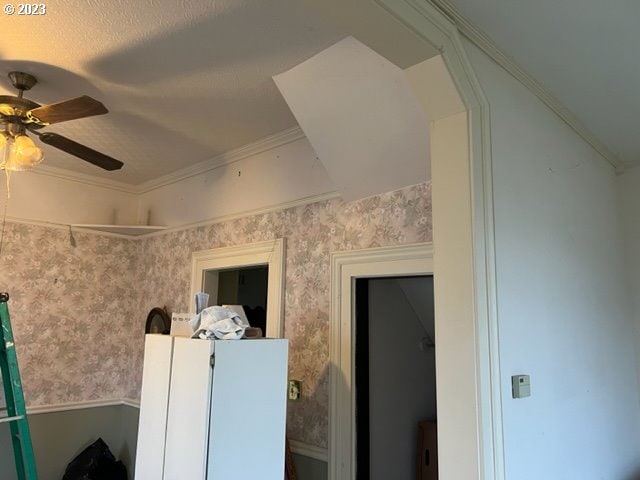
x: 246, y: 286
x: 394, y: 376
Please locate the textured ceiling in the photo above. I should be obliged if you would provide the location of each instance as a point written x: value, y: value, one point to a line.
x: 585, y: 52
x: 188, y: 80
x: 184, y: 80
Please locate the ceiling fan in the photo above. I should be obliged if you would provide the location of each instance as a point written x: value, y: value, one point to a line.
x: 19, y: 115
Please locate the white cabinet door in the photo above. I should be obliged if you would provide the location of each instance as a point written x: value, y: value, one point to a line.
x: 220, y: 423
x: 248, y: 410
x: 189, y: 407
x: 154, y: 400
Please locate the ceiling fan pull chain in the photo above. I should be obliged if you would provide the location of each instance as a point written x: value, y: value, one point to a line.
x: 7, y: 174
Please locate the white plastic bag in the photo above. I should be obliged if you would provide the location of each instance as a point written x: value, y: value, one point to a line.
x: 218, y: 322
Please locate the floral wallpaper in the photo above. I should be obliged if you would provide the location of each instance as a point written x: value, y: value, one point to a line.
x: 70, y: 309
x: 312, y: 232
x: 79, y: 312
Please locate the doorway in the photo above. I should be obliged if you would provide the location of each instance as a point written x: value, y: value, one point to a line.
x: 394, y: 376
x: 346, y: 269
x: 262, y: 261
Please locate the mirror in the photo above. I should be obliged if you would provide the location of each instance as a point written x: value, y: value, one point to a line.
x: 158, y: 321
x: 251, y: 274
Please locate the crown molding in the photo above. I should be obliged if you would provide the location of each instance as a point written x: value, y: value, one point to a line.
x: 488, y: 46
x: 263, y: 145
x: 49, y: 171
x: 260, y: 146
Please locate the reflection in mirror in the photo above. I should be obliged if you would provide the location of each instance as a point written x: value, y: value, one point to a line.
x: 246, y: 286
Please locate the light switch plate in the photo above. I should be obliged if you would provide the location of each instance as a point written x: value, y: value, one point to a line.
x: 520, y: 386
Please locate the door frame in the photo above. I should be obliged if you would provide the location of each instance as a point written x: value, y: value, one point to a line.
x: 269, y: 252
x: 464, y: 240
x: 346, y: 267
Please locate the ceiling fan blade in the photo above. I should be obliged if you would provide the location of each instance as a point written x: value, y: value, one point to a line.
x: 81, y: 151
x: 79, y: 107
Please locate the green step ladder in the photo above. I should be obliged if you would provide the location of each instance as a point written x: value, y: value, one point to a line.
x: 16, y: 409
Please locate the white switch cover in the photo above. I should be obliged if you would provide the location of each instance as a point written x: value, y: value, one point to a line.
x: 520, y: 386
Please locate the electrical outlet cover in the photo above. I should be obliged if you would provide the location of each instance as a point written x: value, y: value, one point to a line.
x: 295, y: 389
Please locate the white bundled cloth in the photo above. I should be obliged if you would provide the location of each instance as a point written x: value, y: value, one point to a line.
x: 218, y: 322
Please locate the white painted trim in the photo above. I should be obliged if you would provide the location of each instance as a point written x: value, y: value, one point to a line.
x: 429, y: 23
x: 297, y: 447
x: 416, y: 259
x: 131, y: 230
x: 247, y: 213
x: 64, y: 226
x: 50, y: 171
x: 129, y: 402
x: 254, y: 148
x: 487, y: 45
x: 270, y: 252
x: 311, y: 451
x: 66, y: 407
x: 212, y: 221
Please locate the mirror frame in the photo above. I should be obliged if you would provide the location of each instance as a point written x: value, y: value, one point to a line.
x: 270, y: 253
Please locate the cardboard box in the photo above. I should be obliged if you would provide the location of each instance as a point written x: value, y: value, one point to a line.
x: 427, y: 468
x: 180, y: 325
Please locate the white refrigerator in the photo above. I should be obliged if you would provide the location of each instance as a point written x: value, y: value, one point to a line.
x: 212, y: 409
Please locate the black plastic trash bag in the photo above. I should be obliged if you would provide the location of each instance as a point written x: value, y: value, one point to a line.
x: 96, y: 462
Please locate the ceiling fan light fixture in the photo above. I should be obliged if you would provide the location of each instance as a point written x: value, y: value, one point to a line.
x: 19, y: 153
x: 19, y: 115
x: 27, y: 153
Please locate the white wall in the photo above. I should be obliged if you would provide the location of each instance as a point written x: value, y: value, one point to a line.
x: 458, y: 436
x: 283, y: 174
x: 402, y: 383
x: 46, y: 198
x: 563, y: 311
x: 272, y: 178
x: 629, y: 188
x: 253, y: 178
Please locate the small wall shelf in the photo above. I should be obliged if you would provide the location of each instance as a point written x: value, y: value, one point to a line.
x: 131, y: 230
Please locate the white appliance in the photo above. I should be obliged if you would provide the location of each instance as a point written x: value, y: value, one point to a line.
x: 212, y: 409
